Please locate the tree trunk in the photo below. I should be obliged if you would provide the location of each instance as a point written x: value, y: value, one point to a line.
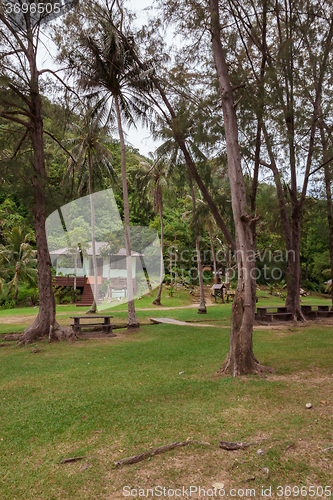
x: 17, y: 281
x: 213, y: 251
x: 132, y: 319
x: 240, y: 359
x: 93, y: 307
x: 330, y: 220
x: 294, y: 273
x: 228, y: 260
x: 47, y: 309
x: 75, y: 268
x: 157, y: 301
x: 202, y: 306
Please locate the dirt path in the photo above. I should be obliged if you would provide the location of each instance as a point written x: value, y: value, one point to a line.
x: 16, y: 320
x: 161, y: 308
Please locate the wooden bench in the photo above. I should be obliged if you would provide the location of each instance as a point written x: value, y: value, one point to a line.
x: 320, y: 312
x: 281, y: 314
x: 265, y: 314
x: 105, y: 324
x: 230, y: 293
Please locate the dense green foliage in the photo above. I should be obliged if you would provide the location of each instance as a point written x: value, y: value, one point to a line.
x: 64, y: 185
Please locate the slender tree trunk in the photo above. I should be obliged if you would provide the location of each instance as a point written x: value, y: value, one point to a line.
x: 47, y: 309
x: 132, y: 319
x: 330, y: 221
x: 228, y: 260
x: 157, y: 301
x: 293, y: 274
x: 202, y: 305
x: 75, y: 268
x: 213, y: 251
x: 261, y: 96
x: 328, y: 180
x: 327, y: 173
x: 240, y: 359
x: 93, y: 307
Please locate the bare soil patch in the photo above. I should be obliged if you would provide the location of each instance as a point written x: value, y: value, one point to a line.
x: 16, y: 320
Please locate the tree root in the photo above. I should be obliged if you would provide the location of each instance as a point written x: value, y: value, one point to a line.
x: 93, y: 308
x: 13, y: 336
x: 252, y: 368
x: 58, y: 332
x: 134, y: 325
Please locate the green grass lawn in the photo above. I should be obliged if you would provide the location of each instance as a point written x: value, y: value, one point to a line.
x: 109, y: 399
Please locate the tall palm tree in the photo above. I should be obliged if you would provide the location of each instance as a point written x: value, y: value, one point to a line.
x: 105, y: 66
x: 91, y: 159
x: 155, y: 181
x: 20, y: 259
x: 170, y: 151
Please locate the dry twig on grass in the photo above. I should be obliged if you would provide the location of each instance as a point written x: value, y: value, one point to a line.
x: 73, y: 459
x: 225, y: 445
x: 147, y: 454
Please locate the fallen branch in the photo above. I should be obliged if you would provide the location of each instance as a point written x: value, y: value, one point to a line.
x: 225, y: 445
x: 329, y: 448
x: 147, y: 454
x: 73, y: 459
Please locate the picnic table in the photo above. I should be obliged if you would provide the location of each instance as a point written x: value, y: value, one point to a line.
x: 316, y: 311
x: 231, y: 293
x: 105, y: 324
x: 279, y: 313
x: 273, y: 313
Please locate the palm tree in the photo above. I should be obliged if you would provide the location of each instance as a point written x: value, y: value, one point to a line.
x: 20, y: 259
x: 91, y: 158
x: 105, y: 65
x: 170, y: 151
x: 155, y: 181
